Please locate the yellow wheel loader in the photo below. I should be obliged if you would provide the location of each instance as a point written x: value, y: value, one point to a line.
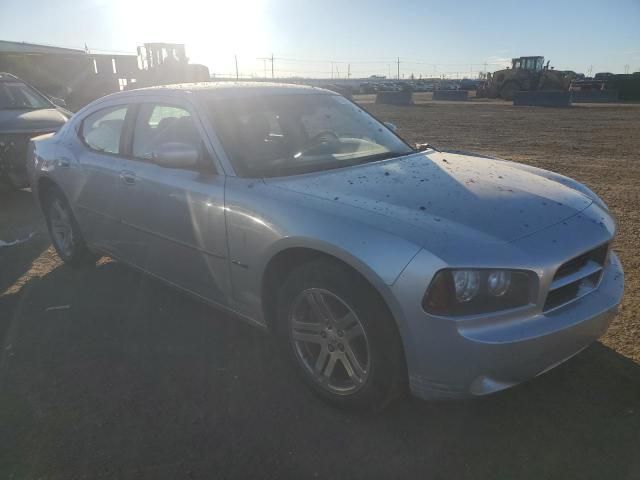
x: 525, y: 74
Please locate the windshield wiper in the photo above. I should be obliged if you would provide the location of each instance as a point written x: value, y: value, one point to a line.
x: 377, y: 157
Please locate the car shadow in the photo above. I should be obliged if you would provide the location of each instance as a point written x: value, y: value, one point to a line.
x: 23, y: 238
x: 107, y: 373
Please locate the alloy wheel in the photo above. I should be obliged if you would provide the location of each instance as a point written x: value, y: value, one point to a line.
x: 329, y: 341
x: 61, y: 227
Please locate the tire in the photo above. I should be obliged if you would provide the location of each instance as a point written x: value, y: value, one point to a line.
x: 508, y: 90
x: 355, y: 358
x: 64, y: 230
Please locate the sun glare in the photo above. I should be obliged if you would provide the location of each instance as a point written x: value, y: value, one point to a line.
x: 213, y: 31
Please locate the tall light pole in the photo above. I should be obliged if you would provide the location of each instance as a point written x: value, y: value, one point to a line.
x: 236, y: 59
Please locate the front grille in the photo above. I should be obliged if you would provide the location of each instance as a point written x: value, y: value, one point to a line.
x: 13, y: 149
x: 598, y: 255
x: 13, y: 156
x: 576, y: 277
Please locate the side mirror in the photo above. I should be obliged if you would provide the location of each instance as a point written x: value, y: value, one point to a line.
x: 421, y: 147
x: 390, y: 126
x: 175, y: 155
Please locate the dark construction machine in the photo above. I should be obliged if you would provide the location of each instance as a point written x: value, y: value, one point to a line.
x: 167, y: 63
x: 525, y: 74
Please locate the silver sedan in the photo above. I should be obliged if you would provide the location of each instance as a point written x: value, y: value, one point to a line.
x: 379, y: 266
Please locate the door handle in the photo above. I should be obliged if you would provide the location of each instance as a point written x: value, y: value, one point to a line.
x: 128, y: 177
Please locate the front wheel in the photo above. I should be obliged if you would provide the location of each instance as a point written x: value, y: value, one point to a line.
x: 340, y: 336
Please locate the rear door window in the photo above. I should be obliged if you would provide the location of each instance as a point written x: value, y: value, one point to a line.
x: 102, y: 130
x: 161, y: 124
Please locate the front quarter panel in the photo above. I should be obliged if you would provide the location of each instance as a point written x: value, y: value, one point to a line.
x: 52, y: 157
x: 41, y: 150
x: 263, y: 221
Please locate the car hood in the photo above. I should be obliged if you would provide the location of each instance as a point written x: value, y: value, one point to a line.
x: 26, y: 121
x: 439, y: 192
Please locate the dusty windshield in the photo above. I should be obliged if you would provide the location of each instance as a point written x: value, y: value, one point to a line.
x: 16, y: 95
x: 278, y: 135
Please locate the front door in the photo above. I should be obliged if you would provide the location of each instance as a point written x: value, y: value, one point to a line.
x: 173, y: 218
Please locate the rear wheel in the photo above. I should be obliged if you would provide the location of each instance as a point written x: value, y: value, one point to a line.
x: 340, y: 336
x: 508, y: 90
x: 64, y: 231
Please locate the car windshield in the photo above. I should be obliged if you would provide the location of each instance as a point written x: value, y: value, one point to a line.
x: 279, y: 135
x: 17, y: 95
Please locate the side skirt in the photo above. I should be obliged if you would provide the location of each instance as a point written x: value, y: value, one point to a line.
x: 217, y: 306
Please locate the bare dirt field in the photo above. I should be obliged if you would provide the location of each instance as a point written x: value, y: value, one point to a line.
x: 107, y: 374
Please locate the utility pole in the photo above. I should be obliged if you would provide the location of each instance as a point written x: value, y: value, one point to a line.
x: 236, y: 59
x: 349, y: 70
x: 264, y: 64
x: 398, y: 68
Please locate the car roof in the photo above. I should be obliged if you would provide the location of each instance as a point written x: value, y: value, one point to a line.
x: 226, y: 89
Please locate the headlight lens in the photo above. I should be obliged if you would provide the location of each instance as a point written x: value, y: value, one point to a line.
x: 498, y: 282
x: 457, y: 292
x: 467, y: 283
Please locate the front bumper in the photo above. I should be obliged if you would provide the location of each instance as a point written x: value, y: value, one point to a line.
x: 13, y: 157
x: 454, y: 359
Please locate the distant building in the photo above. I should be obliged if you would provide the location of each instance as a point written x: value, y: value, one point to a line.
x: 80, y: 77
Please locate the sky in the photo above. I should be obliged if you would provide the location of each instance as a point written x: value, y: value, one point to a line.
x: 332, y: 37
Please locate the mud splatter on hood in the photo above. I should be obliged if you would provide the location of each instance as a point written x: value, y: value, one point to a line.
x: 437, y: 191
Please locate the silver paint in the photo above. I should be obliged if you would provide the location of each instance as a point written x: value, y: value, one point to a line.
x: 397, y: 222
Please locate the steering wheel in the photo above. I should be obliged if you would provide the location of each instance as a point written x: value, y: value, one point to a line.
x: 325, y: 136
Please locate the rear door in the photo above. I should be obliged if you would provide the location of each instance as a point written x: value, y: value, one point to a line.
x: 101, y: 160
x: 173, y: 218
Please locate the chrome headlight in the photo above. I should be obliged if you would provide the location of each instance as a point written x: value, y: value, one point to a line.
x: 457, y: 292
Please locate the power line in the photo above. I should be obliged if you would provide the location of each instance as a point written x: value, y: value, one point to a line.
x: 265, y: 60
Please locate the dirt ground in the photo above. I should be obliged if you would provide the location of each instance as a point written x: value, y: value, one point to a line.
x: 108, y: 374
